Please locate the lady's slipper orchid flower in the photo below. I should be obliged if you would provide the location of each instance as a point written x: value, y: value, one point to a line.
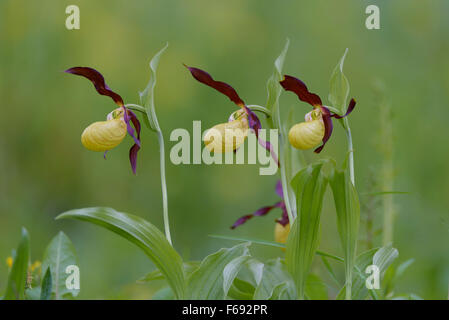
x: 106, y: 135
x: 318, y: 126
x: 229, y: 136
x: 282, y: 227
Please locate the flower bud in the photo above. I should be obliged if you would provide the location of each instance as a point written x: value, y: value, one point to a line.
x: 227, y: 136
x: 281, y: 233
x: 306, y: 135
x: 104, y: 135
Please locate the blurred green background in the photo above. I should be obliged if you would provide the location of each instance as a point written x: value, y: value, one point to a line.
x: 44, y: 170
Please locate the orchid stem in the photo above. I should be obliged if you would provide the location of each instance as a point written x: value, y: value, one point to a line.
x: 255, y: 107
x: 160, y: 138
x: 351, y: 151
x: 348, y: 283
x: 136, y: 107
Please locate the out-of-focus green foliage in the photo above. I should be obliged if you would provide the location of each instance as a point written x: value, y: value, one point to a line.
x: 44, y: 169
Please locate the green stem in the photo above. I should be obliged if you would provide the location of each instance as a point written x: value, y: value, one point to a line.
x: 136, y: 107
x: 350, y: 150
x: 160, y: 138
x: 255, y: 107
x: 349, y: 264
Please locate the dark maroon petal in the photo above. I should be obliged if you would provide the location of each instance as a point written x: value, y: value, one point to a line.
x: 283, y: 220
x: 226, y: 89
x: 279, y: 190
x: 297, y: 86
x: 129, y: 115
x: 133, y: 157
x: 98, y: 81
x: 136, y: 146
x: 261, y: 212
x: 328, y: 127
x: 255, y: 125
x: 350, y: 108
x: 241, y: 221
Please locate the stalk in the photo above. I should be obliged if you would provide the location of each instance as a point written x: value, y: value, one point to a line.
x: 349, y: 264
x: 160, y: 137
x: 350, y: 150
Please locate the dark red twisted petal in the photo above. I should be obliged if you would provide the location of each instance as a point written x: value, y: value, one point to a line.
x: 350, y: 108
x: 261, y: 212
x: 254, y: 124
x: 279, y: 190
x: 328, y: 127
x: 98, y: 81
x: 131, y: 116
x: 283, y: 220
x: 136, y: 146
x: 297, y: 86
x: 226, y: 89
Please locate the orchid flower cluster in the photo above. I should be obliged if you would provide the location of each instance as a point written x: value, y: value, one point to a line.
x: 224, y: 137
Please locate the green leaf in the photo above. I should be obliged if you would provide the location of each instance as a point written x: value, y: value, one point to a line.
x: 189, y: 267
x: 271, y: 244
x: 382, y: 258
x: 302, y: 243
x: 152, y: 276
x: 46, y: 286
x: 33, y: 293
x: 339, y: 87
x: 282, y: 291
x: 165, y: 293
x: 270, y: 287
x: 59, y: 254
x: 241, y: 290
x: 231, y: 270
x: 144, y: 235
x: 274, y: 91
x: 213, y: 277
x: 315, y: 289
x: 15, y: 289
x: 348, y: 216
x: 147, y: 95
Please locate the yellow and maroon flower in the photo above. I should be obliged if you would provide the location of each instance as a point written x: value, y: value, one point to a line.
x: 318, y: 125
x: 238, y: 122
x: 106, y: 135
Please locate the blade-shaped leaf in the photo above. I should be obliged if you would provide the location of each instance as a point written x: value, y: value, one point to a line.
x: 189, y: 267
x: 46, y: 286
x: 302, y: 243
x: 17, y: 279
x: 147, y: 95
x: 144, y: 235
x: 274, y: 91
x: 230, y: 272
x: 208, y: 281
x: 241, y: 290
x: 339, y: 87
x: 315, y: 289
x: 272, y: 285
x: 59, y: 254
x: 382, y: 258
x: 165, y: 293
x: 348, y: 216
